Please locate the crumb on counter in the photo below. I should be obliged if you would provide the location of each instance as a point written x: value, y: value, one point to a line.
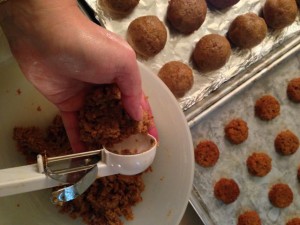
x: 19, y: 92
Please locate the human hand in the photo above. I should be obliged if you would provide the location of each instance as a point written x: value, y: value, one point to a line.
x: 64, y: 54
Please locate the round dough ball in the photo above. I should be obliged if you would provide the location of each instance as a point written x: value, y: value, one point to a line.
x: 280, y: 13
x: 226, y: 190
x: 286, y: 143
x: 207, y: 153
x: 147, y: 35
x: 293, y: 90
x: 281, y: 195
x: 294, y: 221
x: 222, y: 4
x: 178, y: 77
x: 236, y: 131
x: 186, y: 16
x: 119, y: 6
x: 249, y: 218
x: 267, y: 107
x: 211, y: 52
x: 259, y: 164
x: 247, y: 31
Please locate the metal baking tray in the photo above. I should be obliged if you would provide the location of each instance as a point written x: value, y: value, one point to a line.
x: 239, y: 102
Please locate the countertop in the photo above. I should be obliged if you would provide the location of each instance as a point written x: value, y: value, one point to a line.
x: 190, y: 217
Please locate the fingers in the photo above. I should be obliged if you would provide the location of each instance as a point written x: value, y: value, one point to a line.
x: 146, y: 107
x: 70, y: 121
x: 129, y: 81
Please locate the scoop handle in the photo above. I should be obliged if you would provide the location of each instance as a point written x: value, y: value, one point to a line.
x: 24, y: 179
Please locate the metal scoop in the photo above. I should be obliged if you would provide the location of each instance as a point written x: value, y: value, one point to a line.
x: 132, y: 156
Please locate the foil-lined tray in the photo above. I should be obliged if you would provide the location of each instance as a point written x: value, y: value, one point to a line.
x: 180, y: 47
x: 232, y: 162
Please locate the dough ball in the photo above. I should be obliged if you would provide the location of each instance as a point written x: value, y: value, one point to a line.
x: 147, y: 35
x: 249, y: 218
x: 247, y: 31
x: 286, y: 143
x: 259, y: 164
x: 293, y: 90
x: 226, y: 190
x: 211, y: 52
x: 280, y: 13
x: 178, y: 77
x: 119, y: 7
x: 294, y: 221
x: 267, y: 107
x: 281, y: 195
x: 206, y: 153
x: 186, y: 16
x: 222, y: 4
x: 236, y: 131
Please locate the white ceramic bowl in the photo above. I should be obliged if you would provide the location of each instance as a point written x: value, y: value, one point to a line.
x: 167, y: 187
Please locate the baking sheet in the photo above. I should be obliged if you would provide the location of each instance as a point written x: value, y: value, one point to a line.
x: 254, y: 191
x: 179, y: 47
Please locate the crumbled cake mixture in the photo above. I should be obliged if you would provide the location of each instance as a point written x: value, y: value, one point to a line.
x: 102, y: 121
x: 32, y: 141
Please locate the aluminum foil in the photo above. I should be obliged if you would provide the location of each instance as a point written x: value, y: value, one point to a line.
x: 232, y: 161
x: 180, y: 47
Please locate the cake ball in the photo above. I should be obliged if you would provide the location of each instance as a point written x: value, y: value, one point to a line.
x: 280, y: 13
x: 186, y: 16
x: 294, y: 221
x: 222, y: 4
x: 286, y: 143
x: 226, y: 190
x: 293, y: 90
x: 147, y: 35
x: 267, y: 107
x: 236, y: 131
x: 177, y: 76
x: 247, y: 30
x: 119, y: 7
x: 206, y: 153
x: 211, y: 52
x: 281, y: 195
x: 259, y: 164
x: 250, y: 217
